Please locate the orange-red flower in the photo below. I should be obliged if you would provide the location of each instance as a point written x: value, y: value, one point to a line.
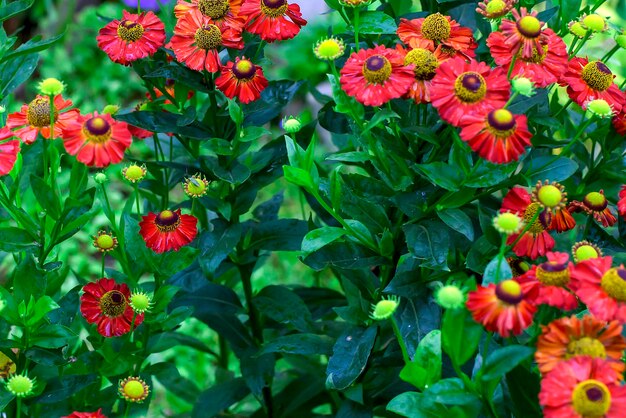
x: 105, y: 303
x: 434, y: 30
x: 544, y: 67
x: 8, y: 151
x: 224, y: 13
x: 425, y: 64
x: 197, y: 41
x: 621, y: 203
x: 619, y: 122
x: 552, y: 197
x: 525, y: 34
x: 498, y: 136
x: 97, y: 414
x: 551, y: 280
x: 596, y: 205
x: 461, y: 88
x: 34, y: 118
x: 375, y: 76
x: 272, y: 20
x: 582, y: 387
x: 505, y: 308
x: 601, y: 287
x: 242, y: 79
x: 566, y: 337
x: 132, y: 38
x: 97, y: 140
x: 168, y: 230
x: 536, y: 241
x: 588, y: 81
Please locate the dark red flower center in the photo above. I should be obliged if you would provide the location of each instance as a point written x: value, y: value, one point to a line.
x: 244, y: 69
x: 113, y: 303
x: 167, y: 221
x: 436, y: 27
x: 501, y: 120
x: 597, y: 76
x: 274, y: 8
x: 509, y: 292
x: 529, y: 26
x: 215, y: 9
x: 591, y: 398
x: 552, y: 273
x: 377, y: 69
x: 97, y: 130
x: 208, y: 37
x: 470, y: 87
x: 38, y: 113
x: 596, y: 201
x: 130, y: 31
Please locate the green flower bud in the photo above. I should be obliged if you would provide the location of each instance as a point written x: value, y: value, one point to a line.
x: 20, y: 385
x: 450, y: 297
x: 523, y: 86
x: 595, y: 23
x: 100, y: 178
x: 51, y: 87
x: 111, y: 109
x: 385, y: 308
x: 508, y: 223
x: 140, y: 302
x: 600, y: 108
x: 292, y: 125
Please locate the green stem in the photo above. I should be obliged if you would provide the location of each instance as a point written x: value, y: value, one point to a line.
x: 513, y: 96
x: 103, y: 262
x: 508, y: 75
x: 138, y: 6
x: 357, y: 15
x: 127, y: 409
x: 610, y: 53
x: 526, y: 228
x: 579, y: 47
x: 501, y: 256
x: 572, y: 45
x: 18, y: 412
x: 137, y: 201
x: 396, y: 330
x: 258, y: 50
x: 569, y: 102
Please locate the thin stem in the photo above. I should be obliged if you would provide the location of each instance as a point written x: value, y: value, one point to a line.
x: 396, y: 330
x: 138, y: 6
x: 513, y: 96
x: 511, y: 67
x: 526, y: 228
x: 357, y: 15
x: 103, y: 262
x: 18, y: 412
x: 569, y: 102
x: 258, y: 50
x: 610, y: 53
x: 579, y: 47
x: 127, y: 409
x: 137, y: 200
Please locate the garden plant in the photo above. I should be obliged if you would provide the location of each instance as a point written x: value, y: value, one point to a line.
x: 368, y: 208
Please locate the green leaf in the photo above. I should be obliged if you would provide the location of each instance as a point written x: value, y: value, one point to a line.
x: 441, y: 174
x: 413, y: 405
x: 549, y: 167
x: 156, y: 121
x: 299, y: 177
x: 376, y: 23
x: 12, y: 9
x: 31, y: 47
x: 303, y: 344
x: 458, y: 221
x: 425, y: 369
x: 220, y: 397
x: 216, y: 245
x: 451, y: 391
x: 460, y: 335
x: 13, y: 239
x: 273, y: 99
x: 14, y: 72
x: 486, y: 174
x: 350, y: 354
x: 169, y: 376
x: 497, y: 270
x: 381, y: 116
x: 321, y: 237
x: 503, y: 360
x: 43, y: 306
x: 46, y: 197
x: 429, y: 242
x: 52, y: 336
x: 284, y: 306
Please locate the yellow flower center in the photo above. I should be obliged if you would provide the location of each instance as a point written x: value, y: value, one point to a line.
x: 329, y: 49
x: 274, y: 8
x: 501, y: 123
x: 541, y: 223
x: 38, y: 113
x: 97, y: 130
x: 549, y: 195
x: 591, y: 399
x: 377, y: 69
x: 196, y: 186
x: 436, y: 27
x: 552, y: 273
x: 208, y: 37
x: 586, y: 346
x: 495, y: 7
x: 167, y: 221
x: 134, y: 173
x: 509, y: 292
x: 130, y: 31
x: 425, y: 63
x: 585, y: 252
x: 596, y: 201
x: 113, y: 303
x: 535, y: 58
x: 597, y: 76
x: 594, y: 22
x: 470, y: 87
x: 244, y: 70
x: 215, y: 9
x: 105, y: 242
x: 529, y: 26
x: 614, y: 283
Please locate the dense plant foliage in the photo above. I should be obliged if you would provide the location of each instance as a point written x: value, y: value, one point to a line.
x: 439, y: 232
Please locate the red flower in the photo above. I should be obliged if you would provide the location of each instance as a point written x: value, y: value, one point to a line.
x: 601, y: 287
x: 168, y: 230
x: 106, y: 303
x: 375, y: 76
x: 498, y: 136
x: 8, y: 151
x: 132, y: 38
x: 544, y: 67
x: 224, y: 13
x: 434, y: 30
x: 425, y: 64
x: 34, y: 118
x: 536, y: 241
x: 268, y: 19
x: 583, y: 387
x: 596, y: 205
x: 621, y: 203
x: 551, y: 280
x: 97, y: 414
x: 97, y: 140
x: 197, y: 41
x: 588, y: 81
x: 619, y: 123
x: 504, y: 308
x: 242, y: 79
x: 524, y: 35
x: 461, y: 88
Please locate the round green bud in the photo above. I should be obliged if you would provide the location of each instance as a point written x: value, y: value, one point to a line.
x: 20, y: 386
x: 594, y: 22
x: 111, y: 109
x: 577, y: 29
x: 51, y: 87
x: 329, y: 49
x: 450, y: 297
x: 508, y: 223
x: 621, y: 40
x: 385, y: 308
x: 495, y: 7
x: 134, y: 173
x: 585, y: 252
x: 100, y: 178
x: 549, y: 195
x: 140, y: 302
x: 523, y: 86
x: 291, y: 125
x: 600, y: 108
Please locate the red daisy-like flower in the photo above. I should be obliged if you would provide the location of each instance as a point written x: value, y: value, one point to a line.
x: 97, y: 140
x: 498, y: 136
x: 544, y: 67
x: 224, y: 13
x: 551, y: 280
x: 504, y: 308
x: 621, y: 203
x: 434, y: 30
x: 425, y: 64
x: 583, y: 387
x: 8, y: 151
x: 106, y: 303
x: 132, y: 38
x: 242, y: 79
x: 97, y: 414
x: 524, y: 35
x: 601, y: 287
x: 168, y: 230
x: 197, y: 41
x: 588, y: 81
x: 34, y: 118
x: 461, y: 88
x: 596, y: 205
x: 536, y: 241
x: 619, y: 122
x: 375, y: 76
x: 553, y: 198
x: 272, y: 20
